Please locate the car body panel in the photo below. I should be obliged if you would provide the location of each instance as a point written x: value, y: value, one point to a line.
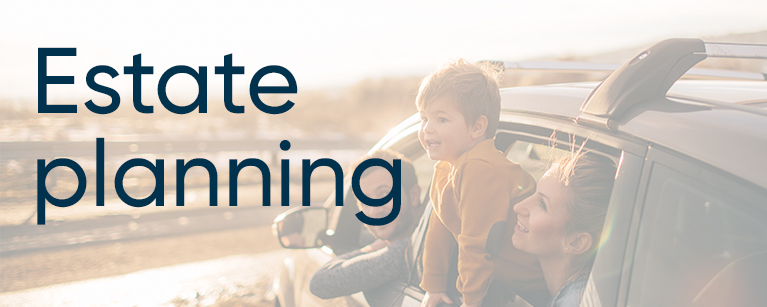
x: 702, y: 132
x: 711, y: 137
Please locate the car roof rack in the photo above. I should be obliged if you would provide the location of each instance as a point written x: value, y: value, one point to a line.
x: 651, y: 73
x: 609, y: 68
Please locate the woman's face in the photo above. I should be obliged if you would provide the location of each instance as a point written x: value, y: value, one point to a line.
x: 542, y: 218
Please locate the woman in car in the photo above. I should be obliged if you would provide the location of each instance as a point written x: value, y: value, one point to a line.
x: 562, y: 222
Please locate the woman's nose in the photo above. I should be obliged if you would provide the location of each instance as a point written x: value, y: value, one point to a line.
x: 520, y: 208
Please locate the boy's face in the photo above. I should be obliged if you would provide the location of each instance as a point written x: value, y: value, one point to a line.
x: 444, y: 132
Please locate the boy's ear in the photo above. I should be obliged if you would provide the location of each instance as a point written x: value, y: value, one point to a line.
x: 477, y: 130
x: 579, y: 243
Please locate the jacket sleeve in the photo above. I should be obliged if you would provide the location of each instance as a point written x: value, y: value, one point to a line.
x: 438, y: 246
x: 483, y: 201
x: 356, y: 271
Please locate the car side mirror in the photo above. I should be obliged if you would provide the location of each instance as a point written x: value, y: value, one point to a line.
x: 301, y: 228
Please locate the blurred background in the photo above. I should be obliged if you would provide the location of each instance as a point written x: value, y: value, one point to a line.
x: 357, y: 66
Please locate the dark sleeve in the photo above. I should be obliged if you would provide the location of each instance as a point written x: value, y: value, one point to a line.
x: 353, y: 272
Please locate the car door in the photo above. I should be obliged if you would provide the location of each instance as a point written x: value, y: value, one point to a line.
x: 701, y: 238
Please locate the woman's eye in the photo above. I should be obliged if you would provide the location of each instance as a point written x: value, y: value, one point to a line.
x: 542, y: 204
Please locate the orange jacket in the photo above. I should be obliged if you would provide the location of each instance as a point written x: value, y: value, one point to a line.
x: 469, y: 198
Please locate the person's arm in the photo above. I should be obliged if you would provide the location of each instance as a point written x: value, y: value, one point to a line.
x: 357, y: 271
x: 376, y: 245
x: 438, y: 245
x: 484, y: 201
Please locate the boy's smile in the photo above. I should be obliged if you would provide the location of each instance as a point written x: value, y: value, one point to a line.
x: 444, y: 132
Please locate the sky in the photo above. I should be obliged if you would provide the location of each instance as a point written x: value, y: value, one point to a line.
x: 329, y: 44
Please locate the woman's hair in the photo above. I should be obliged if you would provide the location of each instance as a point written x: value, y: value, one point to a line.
x: 588, y: 179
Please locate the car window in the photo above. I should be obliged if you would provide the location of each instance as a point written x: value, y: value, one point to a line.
x: 532, y: 157
x: 343, y: 232
x: 424, y: 169
x: 692, y: 234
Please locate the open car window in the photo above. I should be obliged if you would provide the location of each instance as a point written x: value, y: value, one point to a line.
x: 424, y: 169
x: 533, y: 157
x: 533, y: 154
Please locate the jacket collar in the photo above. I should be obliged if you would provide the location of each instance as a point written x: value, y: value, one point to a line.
x: 478, y: 150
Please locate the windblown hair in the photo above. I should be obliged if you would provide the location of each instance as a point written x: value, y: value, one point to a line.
x: 588, y: 179
x: 472, y: 88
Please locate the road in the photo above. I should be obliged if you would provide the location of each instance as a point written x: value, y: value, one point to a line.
x: 60, y: 265
x: 193, y: 252
x: 90, y: 250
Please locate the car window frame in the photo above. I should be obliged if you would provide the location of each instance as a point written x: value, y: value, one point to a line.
x: 605, y: 286
x: 341, y: 219
x: 531, y: 126
x: 610, y: 257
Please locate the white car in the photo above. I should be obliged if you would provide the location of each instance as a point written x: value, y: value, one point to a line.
x: 687, y: 221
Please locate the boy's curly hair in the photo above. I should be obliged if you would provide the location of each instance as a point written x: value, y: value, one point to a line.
x: 473, y: 88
